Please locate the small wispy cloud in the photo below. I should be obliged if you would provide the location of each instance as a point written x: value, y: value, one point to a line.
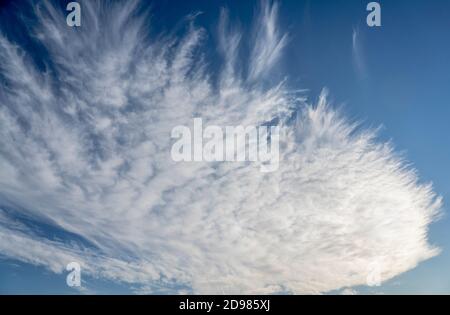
x: 357, y: 54
x: 85, y: 149
x: 349, y: 291
x: 268, y: 41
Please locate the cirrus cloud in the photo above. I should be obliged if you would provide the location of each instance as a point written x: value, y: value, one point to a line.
x: 85, y: 150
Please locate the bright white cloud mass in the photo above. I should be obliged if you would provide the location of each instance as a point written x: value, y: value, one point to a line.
x: 85, y: 148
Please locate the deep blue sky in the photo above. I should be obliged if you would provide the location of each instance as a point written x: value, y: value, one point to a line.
x: 404, y: 88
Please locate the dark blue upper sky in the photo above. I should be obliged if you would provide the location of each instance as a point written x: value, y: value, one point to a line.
x: 400, y: 81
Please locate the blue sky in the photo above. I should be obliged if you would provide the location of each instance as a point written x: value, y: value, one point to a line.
x: 400, y: 85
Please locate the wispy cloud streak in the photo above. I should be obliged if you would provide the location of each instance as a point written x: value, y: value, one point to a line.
x: 357, y: 55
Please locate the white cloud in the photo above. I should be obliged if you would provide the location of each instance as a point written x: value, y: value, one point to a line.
x: 268, y: 43
x: 349, y: 291
x: 86, y: 148
x: 357, y: 54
